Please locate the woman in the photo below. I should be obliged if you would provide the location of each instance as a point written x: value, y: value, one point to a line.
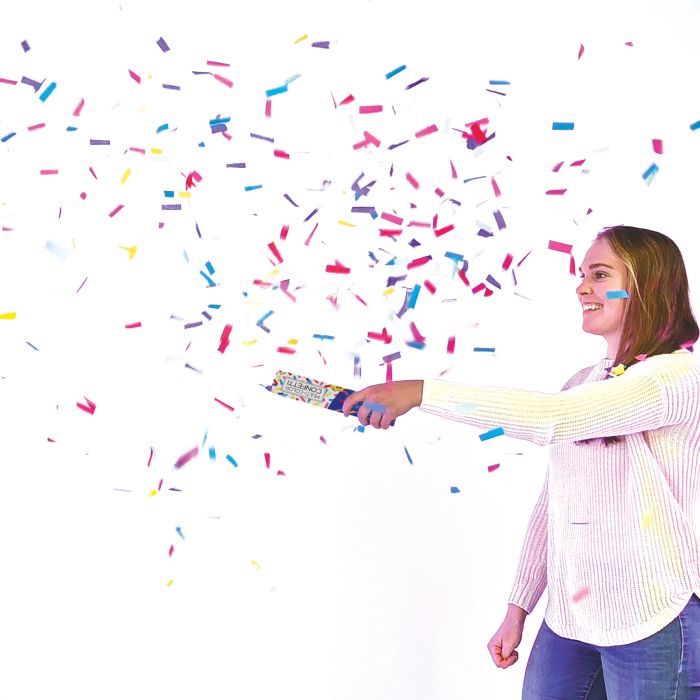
x: 615, y: 533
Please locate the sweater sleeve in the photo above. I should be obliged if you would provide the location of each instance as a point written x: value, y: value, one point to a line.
x: 531, y: 574
x: 633, y: 402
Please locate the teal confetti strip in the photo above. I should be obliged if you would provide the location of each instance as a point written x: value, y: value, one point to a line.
x: 296, y: 76
x: 415, y: 344
x: 209, y: 267
x: 414, y: 296
x: 212, y: 453
x: 476, y: 349
x: 213, y: 306
x: 394, y: 72
x: 208, y: 279
x: 360, y: 428
x: 71, y: 128
x: 562, y: 126
x: 47, y: 93
x: 178, y: 529
x: 232, y: 460
x: 248, y: 188
x: 276, y: 91
x: 219, y: 120
x: 168, y: 193
x: 408, y: 455
x: 695, y: 126
x: 323, y: 337
x: 492, y: 434
x: 454, y: 489
x: 617, y: 294
x: 499, y: 82
x: 162, y: 127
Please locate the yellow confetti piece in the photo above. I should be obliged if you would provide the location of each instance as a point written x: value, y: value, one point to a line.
x: 346, y: 223
x: 9, y: 316
x: 170, y: 583
x: 125, y: 176
x: 617, y: 371
x: 388, y: 291
x: 131, y: 251
x: 301, y: 38
x: 292, y: 341
x: 186, y: 195
x: 153, y: 493
x: 249, y: 342
x: 274, y: 272
x: 157, y: 151
x: 647, y: 519
x: 255, y: 564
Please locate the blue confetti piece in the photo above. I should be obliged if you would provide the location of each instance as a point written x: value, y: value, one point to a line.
x: 499, y: 82
x: 7, y: 137
x: 469, y: 179
x: 168, y: 193
x: 414, y: 296
x: 47, y: 93
x: 394, y: 72
x: 360, y: 428
x: 209, y: 267
x: 212, y: 453
x: 617, y: 294
x: 492, y: 434
x: 415, y: 344
x: 408, y: 455
x: 562, y: 126
x: 71, y: 128
x: 695, y: 126
x: 248, y: 188
x: 208, y: 279
x: 323, y: 337
x: 454, y: 489
x: 477, y: 349
x: 162, y: 127
x: 31, y: 346
x: 219, y: 120
x: 650, y: 172
x: 179, y: 532
x: 276, y: 91
x: 232, y: 460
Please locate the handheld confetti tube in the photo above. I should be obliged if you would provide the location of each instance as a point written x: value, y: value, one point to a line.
x: 312, y: 391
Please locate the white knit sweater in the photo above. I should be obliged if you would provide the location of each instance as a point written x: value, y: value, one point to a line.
x: 615, y: 533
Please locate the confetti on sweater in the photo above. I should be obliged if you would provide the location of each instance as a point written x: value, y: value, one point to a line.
x: 580, y: 594
x: 491, y: 434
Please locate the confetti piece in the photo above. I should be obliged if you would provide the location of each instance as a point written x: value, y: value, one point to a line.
x: 90, y: 408
x: 8, y: 316
x: 408, y: 455
x: 454, y: 489
x: 412, y: 180
x: 580, y: 52
x: 186, y: 457
x: 647, y: 519
x: 650, y: 173
x: 125, y: 176
x: 232, y: 460
x: 580, y: 594
x: 561, y: 191
x: 301, y: 38
x: 224, y: 341
x: 170, y: 582
x: 276, y: 91
x: 116, y: 210
x: 427, y: 130
x: 559, y: 247
x: 48, y: 172
x: 493, y: 467
x: 171, y: 550
x: 47, y: 93
x: 415, y: 83
x: 225, y: 405
x: 394, y: 72
x: 562, y: 126
x: 338, y: 269
x: 491, y: 434
x: 617, y: 294
x: 133, y: 325
x: 695, y: 126
x: 135, y: 76
x: 658, y: 146
x: 25, y: 46
x: 7, y: 137
x: 163, y: 45
x: 267, y: 459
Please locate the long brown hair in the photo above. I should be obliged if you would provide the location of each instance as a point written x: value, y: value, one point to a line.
x: 657, y: 318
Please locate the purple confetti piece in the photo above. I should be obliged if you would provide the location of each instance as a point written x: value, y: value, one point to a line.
x: 418, y: 82
x: 235, y: 165
x: 289, y: 199
x: 163, y: 46
x: 171, y: 87
x: 263, y: 138
x: 321, y: 44
x: 25, y: 46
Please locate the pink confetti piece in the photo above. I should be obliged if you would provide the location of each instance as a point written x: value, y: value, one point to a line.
x: 34, y: 127
x: 451, y: 345
x: 116, y: 210
x: 225, y: 405
x: 171, y: 550
x: 580, y: 52
x: 370, y: 109
x: 286, y: 350
x: 284, y: 232
x: 135, y: 76
x: 339, y: 269
x: 507, y: 261
x: 219, y: 64
x: 559, y: 247
x: 90, y: 408
x: 426, y: 131
x: 562, y: 191
x: 392, y: 218
x: 267, y: 459
x: 577, y: 163
x: 493, y: 467
x: 419, y: 261
x: 268, y: 108
x: 383, y: 336
x: 347, y: 100
x: 224, y: 80
x: 183, y: 459
x: 412, y: 180
x: 224, y: 340
x: 150, y: 457
x: 48, y: 172
x: 439, y: 192
x: 323, y: 440
x: 557, y: 167
x: 445, y: 229
x: 496, y: 189
x: 580, y: 594
x: 79, y: 108
x: 7, y: 81
x: 275, y: 252
x: 416, y: 333
x: 658, y: 146
x: 359, y: 298
x: 430, y: 286
x: 390, y: 231
x: 308, y: 240
x: 133, y: 325
x: 453, y: 171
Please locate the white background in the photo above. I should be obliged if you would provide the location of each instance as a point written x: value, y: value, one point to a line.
x: 356, y: 573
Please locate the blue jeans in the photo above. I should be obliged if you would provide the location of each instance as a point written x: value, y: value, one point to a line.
x: 665, y: 666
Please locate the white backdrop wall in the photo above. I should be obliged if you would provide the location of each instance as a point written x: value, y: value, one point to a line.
x: 358, y: 564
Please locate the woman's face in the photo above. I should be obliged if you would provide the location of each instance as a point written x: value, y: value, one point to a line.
x: 601, y: 271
